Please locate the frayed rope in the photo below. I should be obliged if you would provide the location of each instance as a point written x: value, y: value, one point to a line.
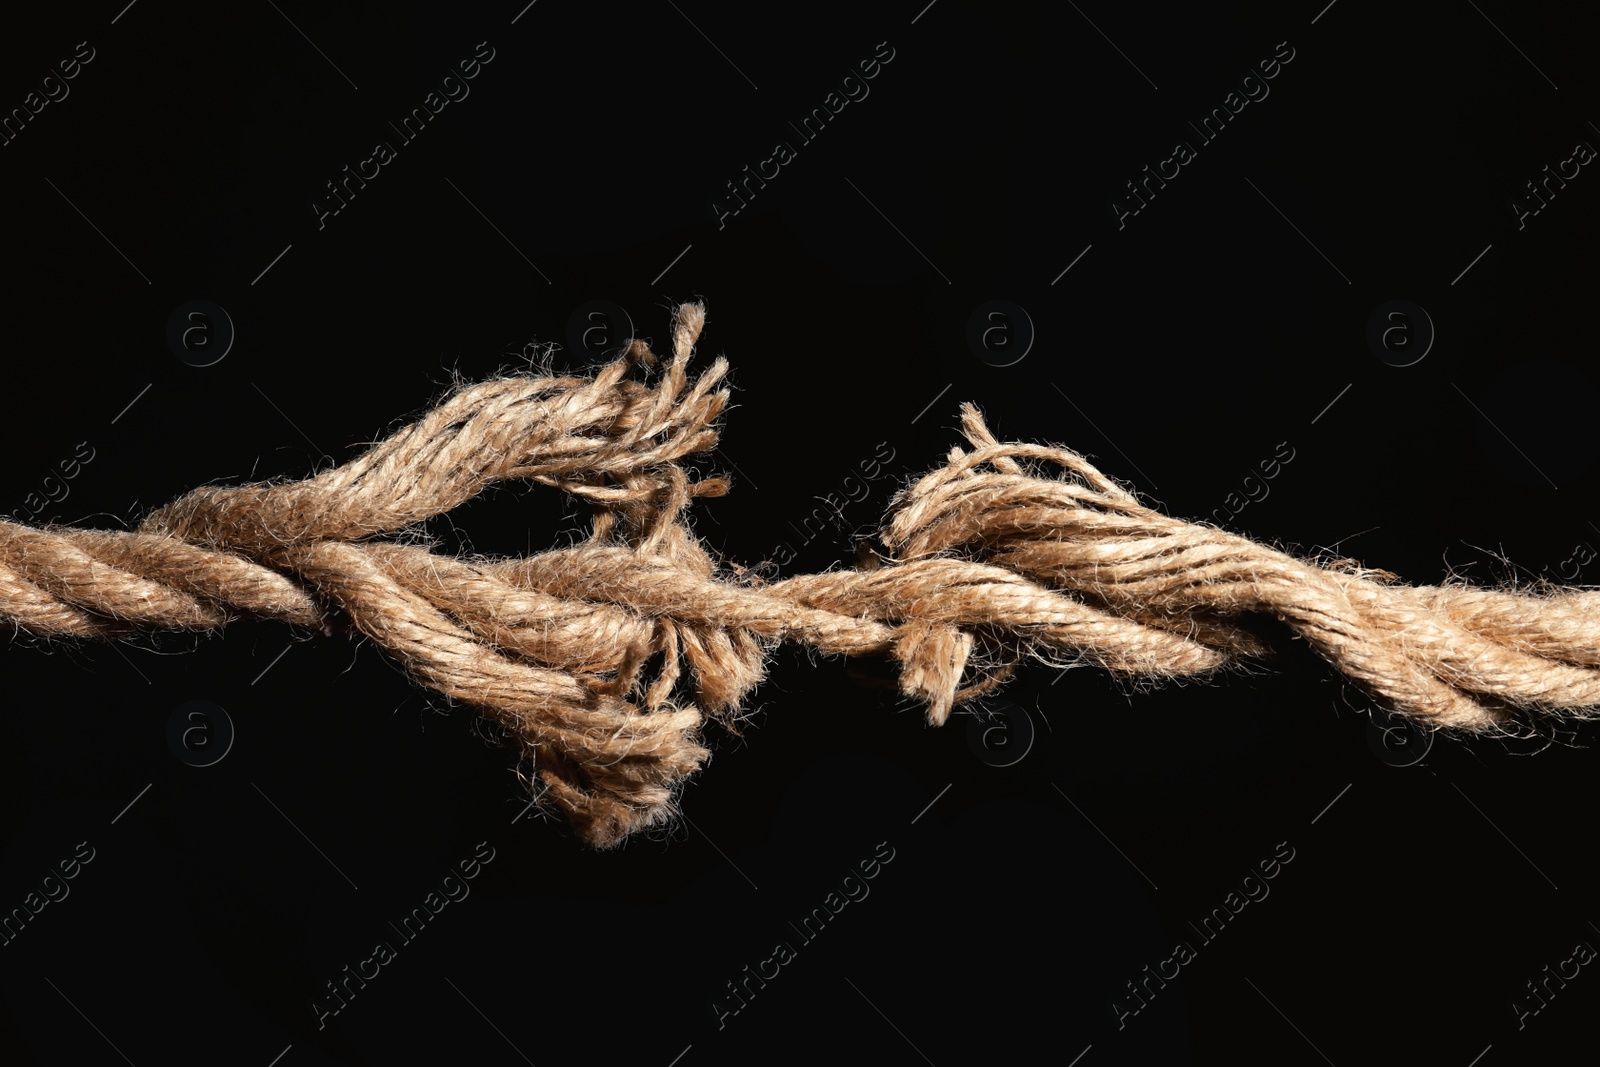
x: 1007, y: 553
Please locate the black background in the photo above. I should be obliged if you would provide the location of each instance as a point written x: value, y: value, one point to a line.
x: 1225, y: 319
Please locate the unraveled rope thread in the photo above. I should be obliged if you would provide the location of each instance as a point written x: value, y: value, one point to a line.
x: 992, y: 559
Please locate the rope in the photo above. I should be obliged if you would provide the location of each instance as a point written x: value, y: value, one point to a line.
x: 604, y: 660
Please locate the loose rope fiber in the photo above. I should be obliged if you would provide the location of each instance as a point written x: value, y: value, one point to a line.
x: 602, y: 661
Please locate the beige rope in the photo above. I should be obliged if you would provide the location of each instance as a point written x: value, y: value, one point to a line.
x: 1008, y: 552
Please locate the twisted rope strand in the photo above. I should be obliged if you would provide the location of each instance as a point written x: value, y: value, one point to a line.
x: 602, y: 661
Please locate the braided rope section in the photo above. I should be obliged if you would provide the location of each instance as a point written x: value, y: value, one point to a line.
x: 604, y: 660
